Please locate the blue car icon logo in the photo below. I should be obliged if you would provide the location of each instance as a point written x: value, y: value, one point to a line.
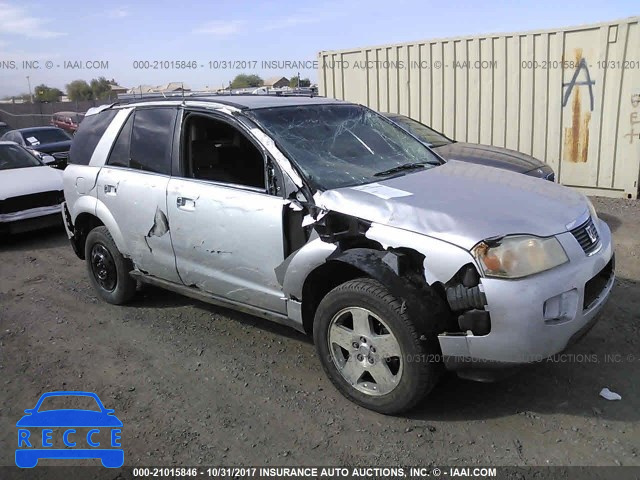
x: 66, y: 428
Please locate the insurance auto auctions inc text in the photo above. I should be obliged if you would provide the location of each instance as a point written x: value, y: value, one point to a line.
x: 376, y: 472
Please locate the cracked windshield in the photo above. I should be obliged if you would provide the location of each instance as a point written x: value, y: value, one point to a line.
x: 344, y: 145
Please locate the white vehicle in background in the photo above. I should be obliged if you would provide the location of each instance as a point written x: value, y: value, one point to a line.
x: 30, y: 191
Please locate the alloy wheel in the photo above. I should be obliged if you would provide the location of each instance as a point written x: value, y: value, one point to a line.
x: 365, y: 351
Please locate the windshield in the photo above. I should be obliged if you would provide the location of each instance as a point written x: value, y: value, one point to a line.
x: 343, y: 145
x: 13, y: 156
x: 46, y: 135
x: 424, y: 133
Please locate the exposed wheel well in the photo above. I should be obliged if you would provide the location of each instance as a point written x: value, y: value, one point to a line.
x: 320, y: 282
x: 84, y: 224
x: 400, y: 269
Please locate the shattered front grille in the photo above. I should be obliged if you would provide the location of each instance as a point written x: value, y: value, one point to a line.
x: 587, y: 236
x: 34, y: 200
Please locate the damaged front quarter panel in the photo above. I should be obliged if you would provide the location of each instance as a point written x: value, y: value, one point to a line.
x: 413, y: 266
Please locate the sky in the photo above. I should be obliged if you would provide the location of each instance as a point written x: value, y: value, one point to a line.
x: 129, y: 34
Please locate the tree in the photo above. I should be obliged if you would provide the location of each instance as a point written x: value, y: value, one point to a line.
x: 79, y: 90
x: 43, y: 93
x: 100, y: 88
x: 304, y: 82
x: 244, y: 80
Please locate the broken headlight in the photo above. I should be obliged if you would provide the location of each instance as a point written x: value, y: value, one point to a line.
x: 518, y: 256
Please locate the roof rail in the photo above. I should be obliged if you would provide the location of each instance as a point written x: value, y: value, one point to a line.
x: 207, y: 93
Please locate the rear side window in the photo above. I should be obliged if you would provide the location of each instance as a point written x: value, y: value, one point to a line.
x: 119, y: 156
x: 88, y: 135
x: 151, y: 140
x: 144, y: 143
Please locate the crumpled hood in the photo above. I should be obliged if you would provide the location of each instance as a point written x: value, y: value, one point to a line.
x: 462, y: 203
x: 24, y: 181
x: 490, y: 156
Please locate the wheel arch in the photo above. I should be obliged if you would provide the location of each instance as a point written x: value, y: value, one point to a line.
x: 87, y: 220
x: 321, y: 281
x: 400, y: 270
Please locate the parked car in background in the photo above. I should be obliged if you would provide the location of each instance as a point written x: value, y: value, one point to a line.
x: 4, y: 128
x: 30, y: 192
x: 43, y: 142
x: 328, y: 217
x: 68, y: 121
x: 488, y: 155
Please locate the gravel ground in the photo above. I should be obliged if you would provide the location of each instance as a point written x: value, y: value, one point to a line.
x: 197, y: 384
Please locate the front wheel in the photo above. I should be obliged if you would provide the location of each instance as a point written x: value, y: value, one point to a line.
x: 108, y: 268
x: 371, y: 350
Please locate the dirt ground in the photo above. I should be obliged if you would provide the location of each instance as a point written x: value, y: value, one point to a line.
x: 196, y: 384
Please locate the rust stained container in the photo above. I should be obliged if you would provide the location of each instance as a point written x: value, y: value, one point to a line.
x: 570, y: 97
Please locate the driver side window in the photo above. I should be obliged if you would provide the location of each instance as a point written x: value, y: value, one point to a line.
x: 217, y: 151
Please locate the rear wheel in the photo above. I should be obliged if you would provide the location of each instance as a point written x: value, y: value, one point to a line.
x: 108, y: 269
x: 371, y: 350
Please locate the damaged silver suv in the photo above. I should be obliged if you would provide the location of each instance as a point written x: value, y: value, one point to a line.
x: 325, y: 216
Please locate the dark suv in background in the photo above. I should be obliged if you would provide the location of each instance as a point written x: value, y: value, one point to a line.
x: 44, y: 143
x: 488, y: 155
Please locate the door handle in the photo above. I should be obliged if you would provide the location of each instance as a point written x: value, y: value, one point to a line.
x: 185, y: 203
x: 110, y: 189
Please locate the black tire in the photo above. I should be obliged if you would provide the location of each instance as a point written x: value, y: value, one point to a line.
x: 118, y: 286
x: 420, y: 366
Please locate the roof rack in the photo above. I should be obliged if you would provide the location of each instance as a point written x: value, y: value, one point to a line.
x: 308, y: 92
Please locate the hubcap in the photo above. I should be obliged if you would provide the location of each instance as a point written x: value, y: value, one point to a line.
x: 365, y: 351
x: 103, y: 267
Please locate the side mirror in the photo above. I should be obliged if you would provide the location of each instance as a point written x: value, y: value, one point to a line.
x: 29, y: 410
x: 47, y: 159
x: 109, y: 411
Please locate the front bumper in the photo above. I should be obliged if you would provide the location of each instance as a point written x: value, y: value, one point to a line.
x: 30, y: 213
x: 520, y: 333
x: 31, y: 219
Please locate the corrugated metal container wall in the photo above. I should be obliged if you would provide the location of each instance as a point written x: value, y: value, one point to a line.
x: 570, y: 97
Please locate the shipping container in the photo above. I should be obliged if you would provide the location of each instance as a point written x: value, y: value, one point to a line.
x: 569, y: 96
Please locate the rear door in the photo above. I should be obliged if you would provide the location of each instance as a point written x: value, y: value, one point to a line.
x: 132, y: 187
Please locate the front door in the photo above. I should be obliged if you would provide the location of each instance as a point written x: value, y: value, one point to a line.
x: 225, y: 228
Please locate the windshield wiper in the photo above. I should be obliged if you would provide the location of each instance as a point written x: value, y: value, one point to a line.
x: 400, y: 168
